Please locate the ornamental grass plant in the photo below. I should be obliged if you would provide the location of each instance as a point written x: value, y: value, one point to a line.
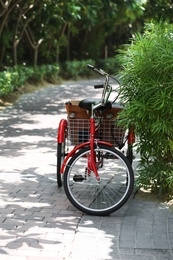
x: 147, y: 90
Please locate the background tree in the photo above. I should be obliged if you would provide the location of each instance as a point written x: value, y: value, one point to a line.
x: 64, y: 30
x: 43, y: 31
x: 158, y: 9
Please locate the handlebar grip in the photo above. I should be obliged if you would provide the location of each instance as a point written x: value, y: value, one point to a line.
x: 98, y: 70
x: 90, y: 66
x: 99, y: 86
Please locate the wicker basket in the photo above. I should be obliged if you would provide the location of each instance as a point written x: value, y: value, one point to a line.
x: 79, y: 125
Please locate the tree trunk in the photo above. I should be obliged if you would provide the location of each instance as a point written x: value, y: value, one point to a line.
x: 15, y: 53
x: 2, y: 56
x: 35, y: 45
x: 68, y: 45
x: 36, y: 56
x: 57, y: 53
x: 5, y: 15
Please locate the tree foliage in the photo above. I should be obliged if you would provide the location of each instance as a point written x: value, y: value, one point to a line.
x: 147, y: 79
x: 44, y: 31
x: 158, y: 9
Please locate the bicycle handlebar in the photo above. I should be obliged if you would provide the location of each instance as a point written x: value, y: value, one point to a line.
x: 98, y: 70
x: 107, y: 89
x: 102, y: 72
x: 90, y: 66
x: 99, y: 86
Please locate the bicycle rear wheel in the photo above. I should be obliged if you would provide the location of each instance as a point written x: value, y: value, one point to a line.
x: 110, y: 193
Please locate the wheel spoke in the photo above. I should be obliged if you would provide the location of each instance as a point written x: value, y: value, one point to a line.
x: 105, y: 196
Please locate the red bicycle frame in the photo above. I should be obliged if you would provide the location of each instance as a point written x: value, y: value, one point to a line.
x: 91, y: 143
x: 92, y: 165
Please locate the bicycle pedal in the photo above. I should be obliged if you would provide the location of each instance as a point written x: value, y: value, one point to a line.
x: 78, y: 178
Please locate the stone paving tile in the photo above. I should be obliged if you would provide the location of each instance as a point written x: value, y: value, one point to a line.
x: 36, y: 219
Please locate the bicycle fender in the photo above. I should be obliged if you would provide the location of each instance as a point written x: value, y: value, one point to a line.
x: 71, y: 153
x: 62, y: 131
x: 105, y: 143
x: 76, y: 148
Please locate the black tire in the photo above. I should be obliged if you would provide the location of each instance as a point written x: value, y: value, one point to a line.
x: 60, y: 158
x: 104, y: 197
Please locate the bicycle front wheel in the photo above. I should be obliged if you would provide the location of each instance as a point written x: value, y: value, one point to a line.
x: 98, y: 197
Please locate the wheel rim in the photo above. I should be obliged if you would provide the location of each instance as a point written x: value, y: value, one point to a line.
x: 110, y: 193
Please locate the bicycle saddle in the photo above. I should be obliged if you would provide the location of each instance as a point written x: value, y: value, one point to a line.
x: 86, y: 104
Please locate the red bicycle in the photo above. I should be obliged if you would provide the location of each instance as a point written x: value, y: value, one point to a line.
x: 98, y: 178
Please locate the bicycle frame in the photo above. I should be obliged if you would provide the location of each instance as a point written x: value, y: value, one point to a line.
x: 93, y: 141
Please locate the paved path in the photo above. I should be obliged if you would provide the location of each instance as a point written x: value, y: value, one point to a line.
x: 36, y: 219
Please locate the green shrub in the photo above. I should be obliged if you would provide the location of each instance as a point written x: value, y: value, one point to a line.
x: 18, y: 76
x: 45, y: 72
x: 110, y: 65
x: 5, y: 83
x: 147, y: 80
x: 74, y: 69
x: 14, y: 77
x: 51, y: 73
x: 37, y: 75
